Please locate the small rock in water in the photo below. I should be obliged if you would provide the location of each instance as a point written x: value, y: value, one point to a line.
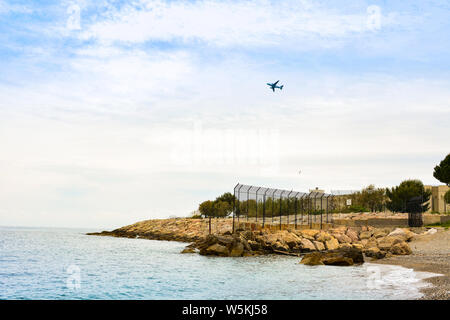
x: 188, y: 250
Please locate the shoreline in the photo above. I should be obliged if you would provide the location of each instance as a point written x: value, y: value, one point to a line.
x: 430, y: 254
x: 422, y: 251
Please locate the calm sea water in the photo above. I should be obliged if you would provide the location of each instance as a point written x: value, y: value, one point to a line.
x: 66, y: 264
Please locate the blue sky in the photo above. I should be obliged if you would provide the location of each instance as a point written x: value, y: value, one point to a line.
x: 117, y: 111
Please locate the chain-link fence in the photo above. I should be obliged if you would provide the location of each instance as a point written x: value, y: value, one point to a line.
x: 256, y: 207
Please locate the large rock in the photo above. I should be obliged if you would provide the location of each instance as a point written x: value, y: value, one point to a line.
x: 342, y: 257
x: 215, y: 250
x: 403, y: 233
x: 354, y: 253
x: 332, y: 244
x: 280, y: 246
x: 341, y: 229
x: 309, y: 233
x: 225, y: 240
x: 345, y: 246
x: 342, y: 238
x: 323, y: 236
x: 352, y: 234
x: 319, y: 245
x: 255, y: 246
x: 237, y: 250
x: 375, y: 253
x: 379, y: 233
x: 306, y: 245
x: 312, y: 259
x: 248, y: 235
x: 338, y: 261
x: 188, y: 250
x: 372, y: 242
x: 291, y: 239
x: 245, y: 244
x: 365, y: 234
x: 387, y: 242
x: 401, y: 248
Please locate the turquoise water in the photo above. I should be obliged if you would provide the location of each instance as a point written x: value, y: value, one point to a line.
x: 66, y: 264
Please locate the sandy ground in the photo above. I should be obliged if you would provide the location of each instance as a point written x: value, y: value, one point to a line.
x: 431, y: 253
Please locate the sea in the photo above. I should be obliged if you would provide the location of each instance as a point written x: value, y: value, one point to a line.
x: 66, y: 264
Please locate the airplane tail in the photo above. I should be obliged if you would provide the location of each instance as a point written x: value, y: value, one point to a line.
x: 281, y: 87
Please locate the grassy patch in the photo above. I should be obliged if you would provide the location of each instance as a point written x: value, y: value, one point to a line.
x: 445, y: 225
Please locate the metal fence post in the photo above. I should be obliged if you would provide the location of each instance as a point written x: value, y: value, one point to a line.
x: 295, y: 213
x: 327, y: 207
x: 264, y: 207
x: 248, y: 201
x: 273, y: 203
x: 256, y: 209
x: 281, y: 204
x: 321, y: 208
x: 288, y: 208
x: 234, y: 210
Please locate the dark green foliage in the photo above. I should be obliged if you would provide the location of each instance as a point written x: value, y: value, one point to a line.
x: 355, y: 208
x: 368, y: 199
x: 447, y: 197
x: 372, y: 198
x: 221, y: 207
x: 226, y: 197
x: 272, y: 207
x: 207, y: 209
x: 406, y: 197
x: 442, y: 171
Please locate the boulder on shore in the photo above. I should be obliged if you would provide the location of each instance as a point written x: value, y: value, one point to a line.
x: 353, y: 235
x: 387, y: 242
x: 188, y: 250
x: 375, y: 253
x: 216, y: 250
x: 312, y: 259
x: 306, y: 245
x: 401, y: 248
x: 340, y: 257
x: 332, y: 244
x: 403, y: 233
x: 237, y: 250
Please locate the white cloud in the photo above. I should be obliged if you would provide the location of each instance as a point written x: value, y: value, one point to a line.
x: 255, y: 22
x: 6, y: 8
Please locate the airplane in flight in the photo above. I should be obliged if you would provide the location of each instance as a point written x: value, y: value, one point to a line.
x: 274, y: 86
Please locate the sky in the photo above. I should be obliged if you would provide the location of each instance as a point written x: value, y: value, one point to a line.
x: 112, y: 112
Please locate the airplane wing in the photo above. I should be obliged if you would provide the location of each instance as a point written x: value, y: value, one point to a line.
x: 276, y: 83
x: 273, y: 88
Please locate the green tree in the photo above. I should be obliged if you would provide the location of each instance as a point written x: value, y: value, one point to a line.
x: 447, y: 197
x: 401, y: 196
x: 372, y: 198
x: 207, y: 208
x: 442, y: 171
x: 222, y: 208
x: 228, y: 198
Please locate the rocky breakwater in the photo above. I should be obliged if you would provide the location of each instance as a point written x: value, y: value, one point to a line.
x: 338, y: 246
x: 176, y: 229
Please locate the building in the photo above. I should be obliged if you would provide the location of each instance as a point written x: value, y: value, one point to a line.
x: 437, y: 202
